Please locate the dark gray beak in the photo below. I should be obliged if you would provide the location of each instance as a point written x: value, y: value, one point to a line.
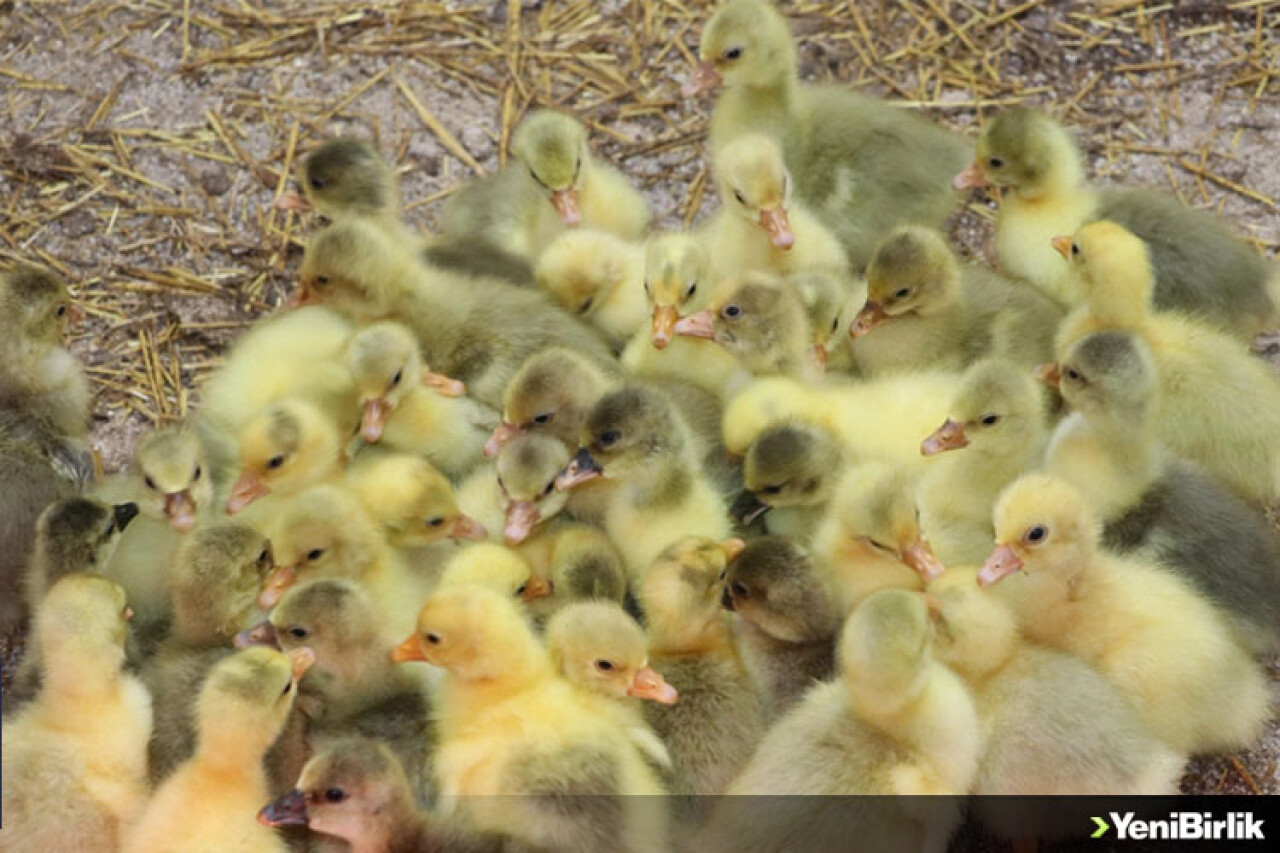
x: 289, y: 810
x: 124, y: 513
x: 747, y: 508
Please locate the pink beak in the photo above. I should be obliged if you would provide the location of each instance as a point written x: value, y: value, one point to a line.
x: 699, y: 325
x: 871, y: 315
x: 293, y: 201
x: 821, y: 356
x: 778, y: 227
x: 566, y: 204
x: 443, y: 384
x: 262, y: 634
x: 971, y: 178
x: 247, y: 489
x: 649, y: 684
x: 920, y: 557
x: 502, y: 433
x: 582, y: 468
x: 703, y: 78
x: 1002, y: 563
x: 374, y: 420
x: 466, y: 527
x: 949, y: 436
x: 521, y: 518
x: 180, y: 510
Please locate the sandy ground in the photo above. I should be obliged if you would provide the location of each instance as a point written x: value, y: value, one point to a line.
x: 145, y: 140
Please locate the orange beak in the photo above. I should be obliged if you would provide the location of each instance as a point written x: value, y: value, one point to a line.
x: 180, y: 510
x: 1003, y: 562
x: 521, y: 518
x: 247, y: 489
x: 302, y: 295
x: 444, y: 385
x: 278, y: 583
x: 704, y: 78
x: 409, y: 650
x: 699, y: 325
x: 502, y: 433
x: 821, y: 355
x: 920, y: 557
x: 1049, y: 373
x: 301, y: 659
x: 871, y: 315
x: 466, y: 527
x: 776, y: 224
x: 1063, y: 245
x: 374, y: 420
x: 293, y: 201
x: 972, y: 178
x: 733, y: 548
x: 649, y: 684
x: 949, y: 436
x: 665, y: 318
x: 566, y: 204
x: 537, y: 588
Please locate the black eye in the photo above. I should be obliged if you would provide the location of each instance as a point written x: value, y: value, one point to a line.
x: 433, y: 639
x: 903, y: 293
x: 435, y: 522
x: 335, y: 795
x: 62, y: 311
x: 586, y: 305
x: 608, y: 438
x: 322, y: 280
x: 275, y: 461
x: 1073, y: 374
x: 1037, y: 533
x: 1075, y: 249
x: 772, y: 490
x: 740, y: 590
x: 835, y: 324
x: 287, y: 688
x: 733, y: 53
x: 315, y: 554
x: 299, y: 632
x: 195, y: 476
x: 265, y: 556
x: 544, y: 418
x: 991, y: 420
x: 740, y: 197
x: 520, y: 589
x: 732, y: 311
x: 317, y: 183
x: 693, y: 288
x: 151, y: 484
x: 995, y: 162
x: 604, y: 665
x: 549, y: 489
x: 395, y: 380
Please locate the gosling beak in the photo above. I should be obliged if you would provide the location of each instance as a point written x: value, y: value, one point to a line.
x: 776, y: 224
x: 278, y: 583
x: 409, y: 651
x: 920, y: 557
x: 821, y: 355
x: 521, y: 518
x: 699, y: 325
x: 582, y: 468
x: 747, y: 507
x: 502, y: 433
x: 972, y: 178
x: 665, y: 318
x: 262, y: 634
x: 302, y: 295
x: 289, y: 810
x: 1002, y: 563
x: 300, y: 660
x: 1062, y: 244
x: 466, y: 527
x: 1049, y: 373
x: 293, y: 201
x: 733, y: 548
x: 703, y: 78
x: 247, y: 489
x: 566, y: 204
x: 726, y: 600
x: 122, y: 514
x: 649, y: 684
x: 444, y: 385
x: 374, y: 419
x: 537, y: 588
x: 180, y: 510
x: 949, y: 436
x: 871, y: 315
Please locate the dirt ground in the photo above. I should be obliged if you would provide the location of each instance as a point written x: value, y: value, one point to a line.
x: 146, y: 139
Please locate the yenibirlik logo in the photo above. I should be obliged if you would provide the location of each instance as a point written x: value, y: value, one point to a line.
x: 1183, y: 826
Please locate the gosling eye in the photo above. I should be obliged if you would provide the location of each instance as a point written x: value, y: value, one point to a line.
x: 1037, y: 534
x: 549, y: 489
x: 586, y: 305
x: 991, y: 420
x: 151, y: 484
x: 62, y: 311
x: 298, y: 632
x: 693, y: 288
x: 433, y: 639
x: 335, y: 795
x: 195, y: 475
x: 520, y: 590
x: 318, y: 183
x: 608, y: 438
x: 275, y: 461
x: 395, y: 380
x: 287, y: 688
x: 995, y: 162
x: 733, y: 54
x: 835, y: 324
x: 322, y: 280
x: 742, y: 200
x: 1075, y: 250
x: 772, y: 490
x: 435, y: 522
x: 903, y: 293
x: 315, y: 554
x: 740, y: 589
x: 1073, y: 374
x: 604, y: 665
x: 264, y: 557
x: 544, y: 418
x: 880, y: 546
x: 732, y: 312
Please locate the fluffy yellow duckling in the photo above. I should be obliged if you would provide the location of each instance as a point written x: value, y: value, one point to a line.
x: 1052, y: 724
x: 1200, y: 267
x: 580, y: 562
x: 508, y: 725
x: 518, y: 494
x: 415, y: 503
x: 1157, y: 641
x: 355, y: 268
x: 498, y: 568
x: 759, y: 227
x: 216, y: 578
x: 827, y: 301
x: 789, y: 474
x: 600, y: 278
x: 75, y: 759
x: 1152, y: 504
x: 290, y: 445
x: 406, y: 407
x: 871, y: 536
x: 995, y: 431
x: 787, y: 622
x: 762, y: 321
x: 895, y: 721
x: 40, y: 376
x: 925, y: 310
x: 212, y: 800
x: 1198, y: 366
x: 637, y: 438
x: 355, y: 790
x: 552, y: 393
x: 860, y: 164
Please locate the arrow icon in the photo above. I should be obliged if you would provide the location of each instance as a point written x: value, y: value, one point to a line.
x: 1102, y: 827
